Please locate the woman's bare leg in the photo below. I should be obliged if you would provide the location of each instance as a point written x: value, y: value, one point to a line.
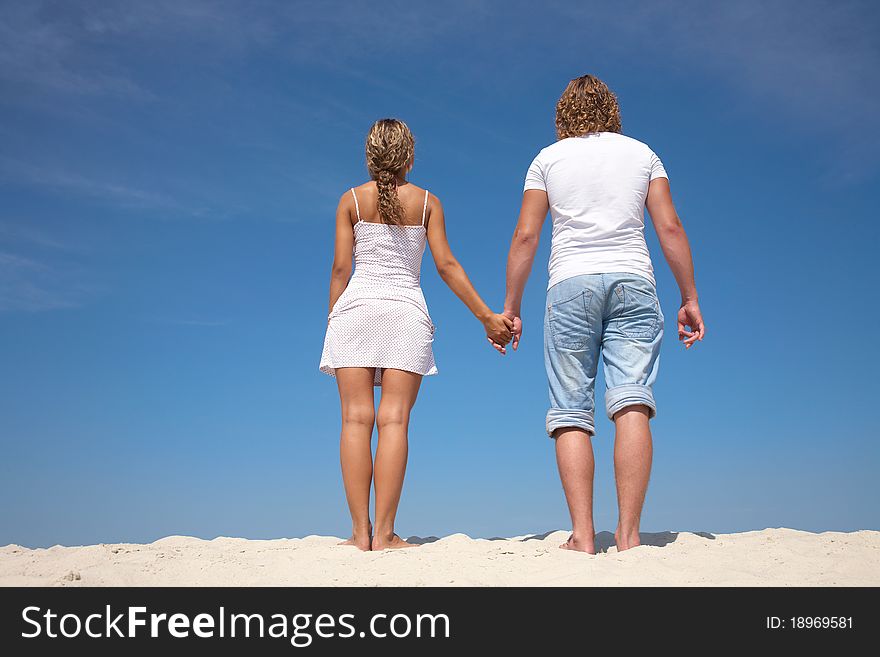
x: 358, y: 414
x: 399, y: 391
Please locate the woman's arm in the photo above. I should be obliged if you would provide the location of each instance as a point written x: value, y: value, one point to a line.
x: 453, y: 274
x: 677, y: 251
x: 341, y: 270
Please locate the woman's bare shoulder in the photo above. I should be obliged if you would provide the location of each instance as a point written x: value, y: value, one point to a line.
x: 417, y: 191
x: 364, y: 193
x: 365, y: 190
x: 370, y: 185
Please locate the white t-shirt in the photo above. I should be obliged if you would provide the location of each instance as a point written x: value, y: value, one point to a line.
x: 597, y: 185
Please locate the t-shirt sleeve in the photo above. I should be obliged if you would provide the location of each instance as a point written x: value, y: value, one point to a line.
x: 657, y: 168
x: 535, y: 176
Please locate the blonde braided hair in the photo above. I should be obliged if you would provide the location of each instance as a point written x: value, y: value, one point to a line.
x: 586, y: 105
x: 390, y: 149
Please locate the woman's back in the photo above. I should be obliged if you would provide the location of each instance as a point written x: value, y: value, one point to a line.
x: 412, y: 199
x: 381, y: 320
x: 389, y: 255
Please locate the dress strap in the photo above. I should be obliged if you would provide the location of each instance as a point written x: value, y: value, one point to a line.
x: 425, y: 208
x: 356, y: 207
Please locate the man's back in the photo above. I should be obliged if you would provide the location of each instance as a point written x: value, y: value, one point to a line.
x: 596, y: 186
x: 602, y: 301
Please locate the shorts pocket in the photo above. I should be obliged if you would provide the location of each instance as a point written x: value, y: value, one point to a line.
x: 641, y: 312
x: 569, y: 323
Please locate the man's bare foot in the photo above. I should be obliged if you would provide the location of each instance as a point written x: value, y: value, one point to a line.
x: 587, y: 545
x: 393, y: 543
x: 626, y: 540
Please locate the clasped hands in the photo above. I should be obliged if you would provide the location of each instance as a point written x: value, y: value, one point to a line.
x: 501, y: 329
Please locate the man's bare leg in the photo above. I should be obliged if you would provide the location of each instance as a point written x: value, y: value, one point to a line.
x: 574, y: 456
x: 633, y: 453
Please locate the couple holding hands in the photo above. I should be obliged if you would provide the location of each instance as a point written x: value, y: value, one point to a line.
x: 601, y: 300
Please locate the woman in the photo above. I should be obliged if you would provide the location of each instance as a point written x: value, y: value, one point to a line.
x: 379, y: 332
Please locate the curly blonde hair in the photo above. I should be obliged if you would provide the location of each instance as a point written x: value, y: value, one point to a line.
x: 390, y: 149
x: 586, y: 105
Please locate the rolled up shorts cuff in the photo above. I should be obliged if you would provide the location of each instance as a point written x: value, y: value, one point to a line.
x: 631, y: 394
x: 558, y: 418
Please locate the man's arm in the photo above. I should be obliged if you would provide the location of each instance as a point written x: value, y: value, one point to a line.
x: 522, y: 254
x: 677, y: 252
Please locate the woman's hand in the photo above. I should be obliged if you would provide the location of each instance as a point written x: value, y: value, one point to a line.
x: 515, y: 332
x: 498, y: 329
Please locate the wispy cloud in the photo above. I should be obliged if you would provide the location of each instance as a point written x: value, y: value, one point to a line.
x: 40, y: 50
x: 122, y: 195
x: 810, y: 66
x: 62, y: 47
x: 22, y: 233
x: 42, y: 271
x: 27, y: 173
x: 806, y: 65
x: 31, y: 285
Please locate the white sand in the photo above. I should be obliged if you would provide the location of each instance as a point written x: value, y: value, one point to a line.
x: 783, y: 557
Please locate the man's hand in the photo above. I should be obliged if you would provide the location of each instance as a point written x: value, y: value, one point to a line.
x: 515, y: 329
x: 498, y: 330
x: 689, y: 317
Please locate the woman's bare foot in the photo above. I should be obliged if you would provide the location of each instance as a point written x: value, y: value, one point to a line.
x: 360, y: 539
x: 362, y: 544
x: 392, y: 543
x: 578, y: 544
x: 626, y: 540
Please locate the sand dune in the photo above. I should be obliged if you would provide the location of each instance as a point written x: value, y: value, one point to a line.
x: 770, y: 557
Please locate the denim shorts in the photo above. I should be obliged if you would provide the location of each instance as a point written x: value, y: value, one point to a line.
x: 617, y: 315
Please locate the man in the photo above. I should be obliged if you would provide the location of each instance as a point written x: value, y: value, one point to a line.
x: 601, y: 299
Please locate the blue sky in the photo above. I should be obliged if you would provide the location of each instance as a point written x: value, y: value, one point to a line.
x: 168, y: 175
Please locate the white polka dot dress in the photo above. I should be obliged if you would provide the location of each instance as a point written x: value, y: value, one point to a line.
x: 381, y: 320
